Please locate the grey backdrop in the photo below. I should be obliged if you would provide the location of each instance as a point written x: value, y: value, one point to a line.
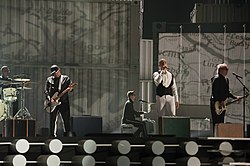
x: 96, y: 43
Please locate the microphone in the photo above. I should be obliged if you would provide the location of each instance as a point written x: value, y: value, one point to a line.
x: 237, y: 75
x: 143, y: 101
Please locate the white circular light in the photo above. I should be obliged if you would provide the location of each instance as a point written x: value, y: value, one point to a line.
x: 22, y: 146
x: 88, y: 160
x: 19, y: 160
x: 158, y: 161
x: 191, y: 148
x: 158, y: 148
x: 89, y: 146
x: 193, y: 161
x: 123, y: 161
x: 124, y: 147
x: 55, y: 146
x: 225, y: 148
x: 53, y: 160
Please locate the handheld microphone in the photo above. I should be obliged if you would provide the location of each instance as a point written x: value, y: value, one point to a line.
x: 237, y: 75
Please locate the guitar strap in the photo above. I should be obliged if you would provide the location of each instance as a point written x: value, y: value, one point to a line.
x: 60, y: 83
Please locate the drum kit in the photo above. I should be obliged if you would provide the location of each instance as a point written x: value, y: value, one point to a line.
x: 10, y: 91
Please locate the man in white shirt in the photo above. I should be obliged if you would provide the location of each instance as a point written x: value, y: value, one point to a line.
x: 166, y: 91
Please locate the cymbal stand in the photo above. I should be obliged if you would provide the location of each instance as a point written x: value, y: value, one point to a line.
x: 9, y: 110
x: 23, y: 113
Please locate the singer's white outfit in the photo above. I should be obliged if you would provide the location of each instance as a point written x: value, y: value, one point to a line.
x: 166, y: 94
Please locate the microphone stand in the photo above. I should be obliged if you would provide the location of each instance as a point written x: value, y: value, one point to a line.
x: 244, y: 103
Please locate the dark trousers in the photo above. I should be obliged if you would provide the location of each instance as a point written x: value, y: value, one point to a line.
x: 141, y: 127
x: 64, y: 110
x: 216, y: 118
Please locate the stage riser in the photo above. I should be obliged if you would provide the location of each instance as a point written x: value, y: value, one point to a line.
x: 18, y: 128
x: 206, y: 154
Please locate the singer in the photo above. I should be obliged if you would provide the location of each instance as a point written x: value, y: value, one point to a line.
x: 166, y: 90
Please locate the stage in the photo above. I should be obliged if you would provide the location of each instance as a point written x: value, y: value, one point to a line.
x: 123, y: 149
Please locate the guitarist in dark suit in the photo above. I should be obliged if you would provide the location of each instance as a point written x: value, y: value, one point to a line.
x: 220, y: 92
x: 57, y: 83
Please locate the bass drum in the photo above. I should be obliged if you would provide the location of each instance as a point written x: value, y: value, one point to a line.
x: 3, y: 110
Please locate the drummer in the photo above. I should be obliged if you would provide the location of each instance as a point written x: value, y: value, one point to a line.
x: 5, y: 71
x: 5, y: 82
x: 4, y: 78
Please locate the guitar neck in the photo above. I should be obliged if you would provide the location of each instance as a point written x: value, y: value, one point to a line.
x: 233, y: 101
x: 65, y: 91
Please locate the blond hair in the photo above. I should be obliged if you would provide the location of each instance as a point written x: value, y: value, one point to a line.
x: 163, y: 63
x: 221, y: 66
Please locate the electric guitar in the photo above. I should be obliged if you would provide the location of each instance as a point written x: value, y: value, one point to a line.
x: 220, y: 108
x: 50, y: 106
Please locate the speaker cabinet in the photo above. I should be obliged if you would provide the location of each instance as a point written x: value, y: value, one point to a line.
x: 174, y: 125
x: 18, y: 128
x: 83, y: 125
x: 229, y: 130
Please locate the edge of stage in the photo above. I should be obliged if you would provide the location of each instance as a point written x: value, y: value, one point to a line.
x: 123, y: 149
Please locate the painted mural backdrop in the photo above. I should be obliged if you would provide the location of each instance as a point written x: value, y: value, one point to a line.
x: 193, y: 58
x: 90, y: 41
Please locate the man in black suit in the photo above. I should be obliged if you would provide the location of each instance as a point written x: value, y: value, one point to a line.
x: 57, y: 83
x: 129, y: 115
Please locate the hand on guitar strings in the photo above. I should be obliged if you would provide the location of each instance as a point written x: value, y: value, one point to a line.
x: 221, y: 104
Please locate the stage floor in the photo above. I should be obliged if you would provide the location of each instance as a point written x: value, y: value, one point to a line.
x: 123, y: 149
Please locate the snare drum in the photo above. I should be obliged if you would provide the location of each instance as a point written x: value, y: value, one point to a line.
x: 10, y: 94
x: 3, y: 110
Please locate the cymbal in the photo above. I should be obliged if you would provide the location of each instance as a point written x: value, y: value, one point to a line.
x: 23, y: 75
x: 31, y: 82
x: 3, y: 81
x: 22, y: 79
x: 15, y: 83
x: 25, y: 88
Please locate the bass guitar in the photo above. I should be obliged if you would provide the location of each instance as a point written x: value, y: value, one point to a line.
x: 220, y: 108
x: 50, y: 106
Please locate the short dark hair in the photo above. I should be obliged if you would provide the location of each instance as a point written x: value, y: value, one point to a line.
x: 5, y: 67
x: 130, y: 93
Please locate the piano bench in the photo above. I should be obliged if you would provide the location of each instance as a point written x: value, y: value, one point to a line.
x: 127, y: 128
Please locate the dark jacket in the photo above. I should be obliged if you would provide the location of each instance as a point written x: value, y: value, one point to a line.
x: 128, y: 112
x: 51, y: 87
x: 220, y: 88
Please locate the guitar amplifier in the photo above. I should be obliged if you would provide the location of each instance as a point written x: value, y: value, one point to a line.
x: 83, y: 125
x: 18, y: 128
x: 175, y: 125
x: 229, y: 130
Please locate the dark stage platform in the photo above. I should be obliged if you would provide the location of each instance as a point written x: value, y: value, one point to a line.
x: 124, y: 150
